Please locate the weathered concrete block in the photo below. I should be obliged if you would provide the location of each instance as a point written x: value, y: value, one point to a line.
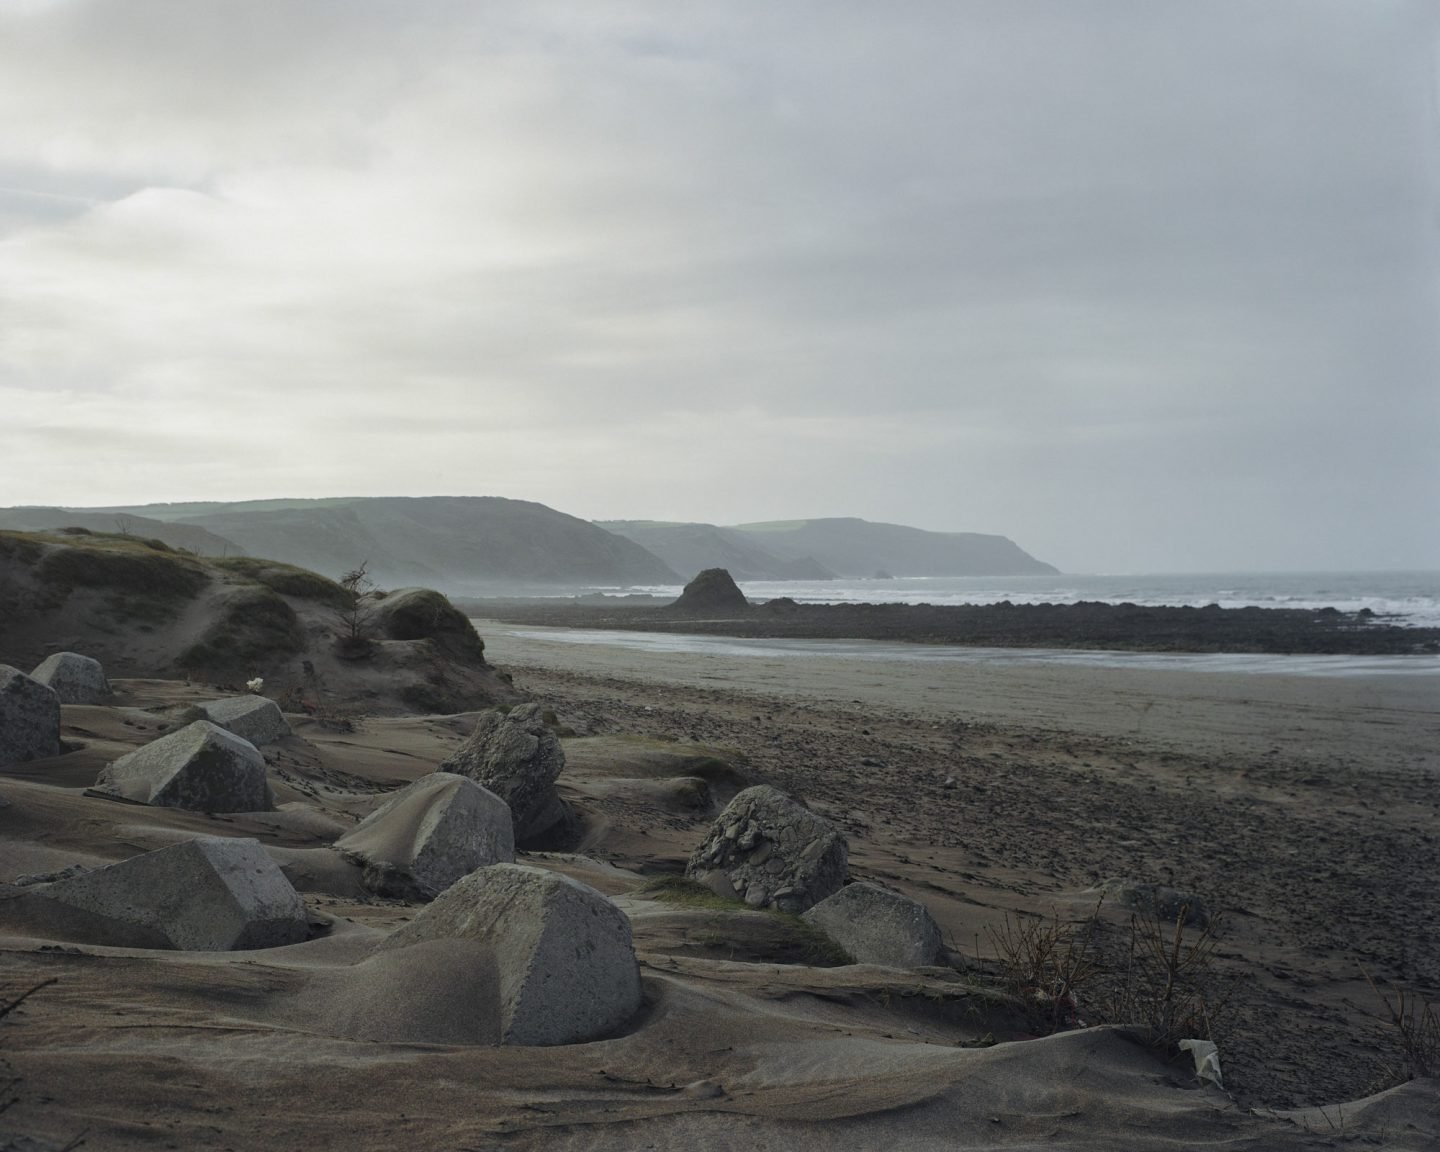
x: 517, y: 756
x: 253, y: 718
x: 772, y: 851
x: 877, y: 926
x: 430, y: 834
x: 74, y: 678
x: 201, y: 767
x: 29, y: 718
x: 564, y: 957
x: 211, y: 894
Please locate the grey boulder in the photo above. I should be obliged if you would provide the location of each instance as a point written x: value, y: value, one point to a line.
x: 202, y: 768
x: 211, y: 894
x: 253, y: 718
x: 564, y: 959
x: 517, y: 756
x: 29, y: 718
x: 877, y: 926
x: 428, y: 835
x: 770, y: 851
x: 74, y: 678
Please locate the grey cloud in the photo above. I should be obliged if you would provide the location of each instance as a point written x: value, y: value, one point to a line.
x: 1141, y: 285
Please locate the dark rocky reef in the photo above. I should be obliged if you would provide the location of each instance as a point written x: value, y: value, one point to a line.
x: 1087, y: 624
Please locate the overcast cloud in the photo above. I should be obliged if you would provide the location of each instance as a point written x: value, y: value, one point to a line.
x: 1144, y: 285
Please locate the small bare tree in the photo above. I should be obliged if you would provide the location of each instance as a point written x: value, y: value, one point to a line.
x: 356, y: 618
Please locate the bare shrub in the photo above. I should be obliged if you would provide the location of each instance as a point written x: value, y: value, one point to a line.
x: 1167, y: 984
x: 1046, y: 963
x: 1412, y: 1029
x: 1162, y: 981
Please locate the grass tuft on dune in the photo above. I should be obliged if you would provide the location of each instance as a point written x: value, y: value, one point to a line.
x: 119, y: 563
x: 286, y: 579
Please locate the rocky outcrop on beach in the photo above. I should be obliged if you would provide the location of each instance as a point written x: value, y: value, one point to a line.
x: 429, y: 835
x: 564, y: 958
x: 74, y: 678
x: 712, y: 592
x: 201, y: 768
x: 29, y: 718
x: 878, y: 926
x: 769, y: 851
x: 517, y: 756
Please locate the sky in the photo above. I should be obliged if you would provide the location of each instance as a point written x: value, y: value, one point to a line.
x: 1145, y: 285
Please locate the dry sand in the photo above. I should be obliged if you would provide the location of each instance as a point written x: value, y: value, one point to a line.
x: 1306, y: 808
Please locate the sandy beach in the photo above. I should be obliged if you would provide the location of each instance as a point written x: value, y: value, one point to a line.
x: 1303, y: 806
x: 1300, y: 809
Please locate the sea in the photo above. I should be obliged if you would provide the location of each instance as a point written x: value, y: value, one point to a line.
x: 1410, y: 599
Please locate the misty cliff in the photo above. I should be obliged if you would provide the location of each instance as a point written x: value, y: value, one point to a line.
x: 462, y: 544
x: 691, y: 548
x: 856, y: 548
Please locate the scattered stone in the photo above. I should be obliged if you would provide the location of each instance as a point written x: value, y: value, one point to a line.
x: 211, y: 894
x: 517, y: 756
x: 202, y: 768
x: 877, y: 926
x: 713, y: 590
x: 564, y: 957
x: 428, y: 835
x: 74, y: 678
x: 772, y: 851
x: 253, y: 718
x: 1157, y: 900
x: 29, y: 718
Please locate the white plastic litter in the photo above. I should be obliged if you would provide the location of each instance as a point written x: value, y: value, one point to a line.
x: 1207, y: 1059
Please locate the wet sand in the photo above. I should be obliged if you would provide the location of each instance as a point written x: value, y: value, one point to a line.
x: 1387, y: 720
